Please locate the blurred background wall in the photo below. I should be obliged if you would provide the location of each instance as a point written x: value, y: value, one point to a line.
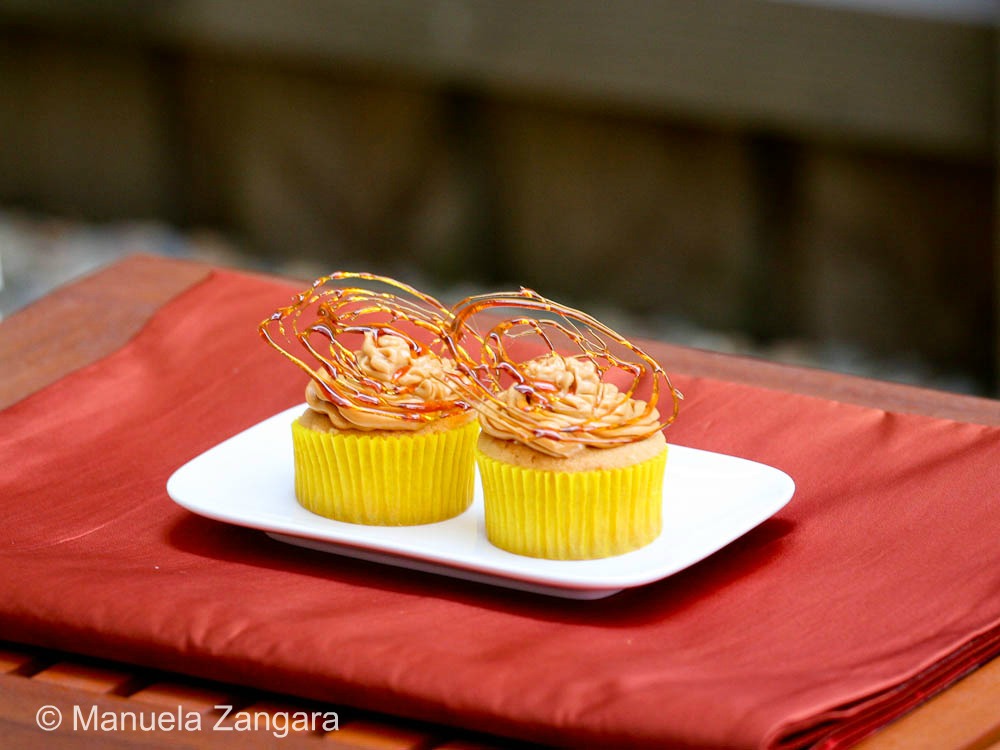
x: 818, y: 172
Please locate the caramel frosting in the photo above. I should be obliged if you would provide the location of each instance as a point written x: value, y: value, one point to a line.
x: 401, y: 378
x: 560, y: 396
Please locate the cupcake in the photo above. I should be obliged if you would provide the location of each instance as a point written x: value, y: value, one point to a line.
x: 385, y: 439
x: 571, y: 463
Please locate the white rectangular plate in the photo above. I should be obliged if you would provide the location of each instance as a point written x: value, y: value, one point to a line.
x: 709, y: 500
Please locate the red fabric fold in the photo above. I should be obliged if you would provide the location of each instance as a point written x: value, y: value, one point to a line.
x: 876, y: 586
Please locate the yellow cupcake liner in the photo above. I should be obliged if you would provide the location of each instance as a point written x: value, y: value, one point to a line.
x: 572, y: 515
x: 397, y: 480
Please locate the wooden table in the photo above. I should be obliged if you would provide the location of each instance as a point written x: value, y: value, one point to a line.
x: 92, y: 317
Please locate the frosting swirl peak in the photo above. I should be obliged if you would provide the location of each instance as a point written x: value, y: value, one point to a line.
x: 402, y: 378
x: 565, y: 395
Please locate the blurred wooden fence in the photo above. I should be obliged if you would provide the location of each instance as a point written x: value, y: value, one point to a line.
x: 780, y: 169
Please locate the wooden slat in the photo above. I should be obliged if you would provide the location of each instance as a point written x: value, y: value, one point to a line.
x: 966, y: 716
x: 16, y: 661
x: 88, y: 677
x: 192, y: 695
x: 271, y: 717
x: 906, y: 82
x: 365, y: 734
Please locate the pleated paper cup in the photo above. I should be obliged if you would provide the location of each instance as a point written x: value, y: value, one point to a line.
x: 579, y: 515
x: 400, y: 479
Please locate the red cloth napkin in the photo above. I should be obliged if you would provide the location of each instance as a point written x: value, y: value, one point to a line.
x: 877, y: 585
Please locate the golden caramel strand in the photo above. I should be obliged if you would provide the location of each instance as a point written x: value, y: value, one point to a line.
x: 555, y: 403
x: 398, y: 359
x: 375, y: 351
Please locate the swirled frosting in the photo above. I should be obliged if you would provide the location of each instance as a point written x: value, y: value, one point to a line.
x: 564, y: 397
x: 400, y: 376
